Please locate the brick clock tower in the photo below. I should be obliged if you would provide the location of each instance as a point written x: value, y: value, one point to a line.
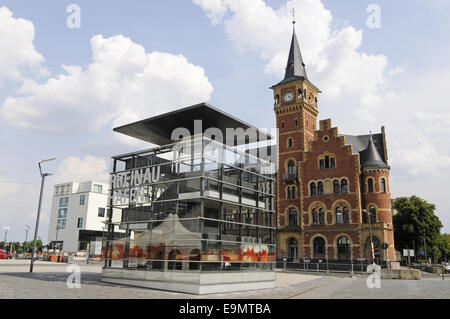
x: 296, y: 113
x: 332, y: 192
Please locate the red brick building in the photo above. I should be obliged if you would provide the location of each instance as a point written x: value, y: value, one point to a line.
x: 333, y: 191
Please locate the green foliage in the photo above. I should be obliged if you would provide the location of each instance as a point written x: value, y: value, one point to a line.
x: 416, y: 221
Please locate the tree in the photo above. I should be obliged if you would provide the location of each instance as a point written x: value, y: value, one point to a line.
x: 416, y: 221
x: 444, y: 247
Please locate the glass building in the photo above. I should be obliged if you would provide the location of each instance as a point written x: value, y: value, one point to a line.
x: 198, y: 210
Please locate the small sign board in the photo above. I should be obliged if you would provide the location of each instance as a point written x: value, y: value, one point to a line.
x: 411, y: 252
x: 307, y: 260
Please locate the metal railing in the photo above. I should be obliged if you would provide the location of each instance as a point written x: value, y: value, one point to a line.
x: 324, y: 266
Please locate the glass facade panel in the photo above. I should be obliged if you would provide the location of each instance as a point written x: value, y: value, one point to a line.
x: 192, y: 207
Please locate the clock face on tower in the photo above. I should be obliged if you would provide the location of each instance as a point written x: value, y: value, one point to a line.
x: 288, y: 96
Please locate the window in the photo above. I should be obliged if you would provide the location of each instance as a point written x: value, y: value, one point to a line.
x: 344, y: 186
x: 290, y: 142
x: 292, y: 217
x: 345, y: 215
x: 82, y: 199
x: 342, y: 216
x: 321, y: 164
x: 282, y: 124
x: 315, y: 216
x: 289, y: 193
x: 62, y: 213
x: 296, y: 123
x: 80, y: 223
x: 343, y: 244
x: 383, y: 185
x: 370, y: 185
x: 338, y: 215
x: 101, y: 212
x: 321, y: 217
x: 312, y: 189
x: 229, y: 218
x: 336, y: 187
x: 291, y: 167
x: 319, y: 245
x: 373, y: 214
x: 327, y: 161
x: 61, y: 224
x: 97, y: 188
x: 63, y: 201
x: 277, y: 99
x: 294, y: 192
x: 320, y: 188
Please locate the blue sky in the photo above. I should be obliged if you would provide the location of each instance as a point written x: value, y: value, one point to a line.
x: 232, y: 49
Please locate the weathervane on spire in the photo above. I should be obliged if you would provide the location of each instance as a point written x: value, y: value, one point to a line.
x: 293, y: 18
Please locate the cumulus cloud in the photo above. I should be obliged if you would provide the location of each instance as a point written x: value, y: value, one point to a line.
x: 18, y: 56
x: 332, y: 54
x: 122, y: 84
x: 75, y: 169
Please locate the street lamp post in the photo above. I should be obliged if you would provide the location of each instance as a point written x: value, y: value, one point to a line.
x: 27, y: 228
x: 6, y: 229
x: 43, y: 176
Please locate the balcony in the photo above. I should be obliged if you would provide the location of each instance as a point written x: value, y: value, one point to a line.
x: 290, y: 177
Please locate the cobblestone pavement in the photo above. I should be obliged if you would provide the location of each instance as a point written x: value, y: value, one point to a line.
x: 48, y: 281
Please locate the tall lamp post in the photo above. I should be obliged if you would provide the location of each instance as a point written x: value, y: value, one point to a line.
x: 27, y: 228
x: 6, y: 229
x: 43, y: 176
x: 370, y: 233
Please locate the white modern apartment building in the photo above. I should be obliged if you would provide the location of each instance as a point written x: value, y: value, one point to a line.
x: 78, y: 215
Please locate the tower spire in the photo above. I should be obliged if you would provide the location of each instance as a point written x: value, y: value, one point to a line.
x: 295, y: 68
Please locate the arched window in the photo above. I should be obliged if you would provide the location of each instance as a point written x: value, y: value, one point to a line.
x: 289, y: 193
x: 344, y: 186
x: 383, y: 185
x: 292, y: 217
x: 321, y: 217
x: 338, y: 215
x: 291, y: 167
x: 336, y: 187
x: 312, y: 189
x: 294, y: 192
x: 319, y: 245
x: 343, y: 245
x: 370, y: 185
x: 290, y: 142
x: 300, y: 94
x: 345, y: 215
x: 373, y: 214
x: 320, y: 188
x: 315, y: 216
x: 277, y: 99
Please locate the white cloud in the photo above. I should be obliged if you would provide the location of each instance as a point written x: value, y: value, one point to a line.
x: 75, y: 169
x: 18, y: 56
x: 122, y: 83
